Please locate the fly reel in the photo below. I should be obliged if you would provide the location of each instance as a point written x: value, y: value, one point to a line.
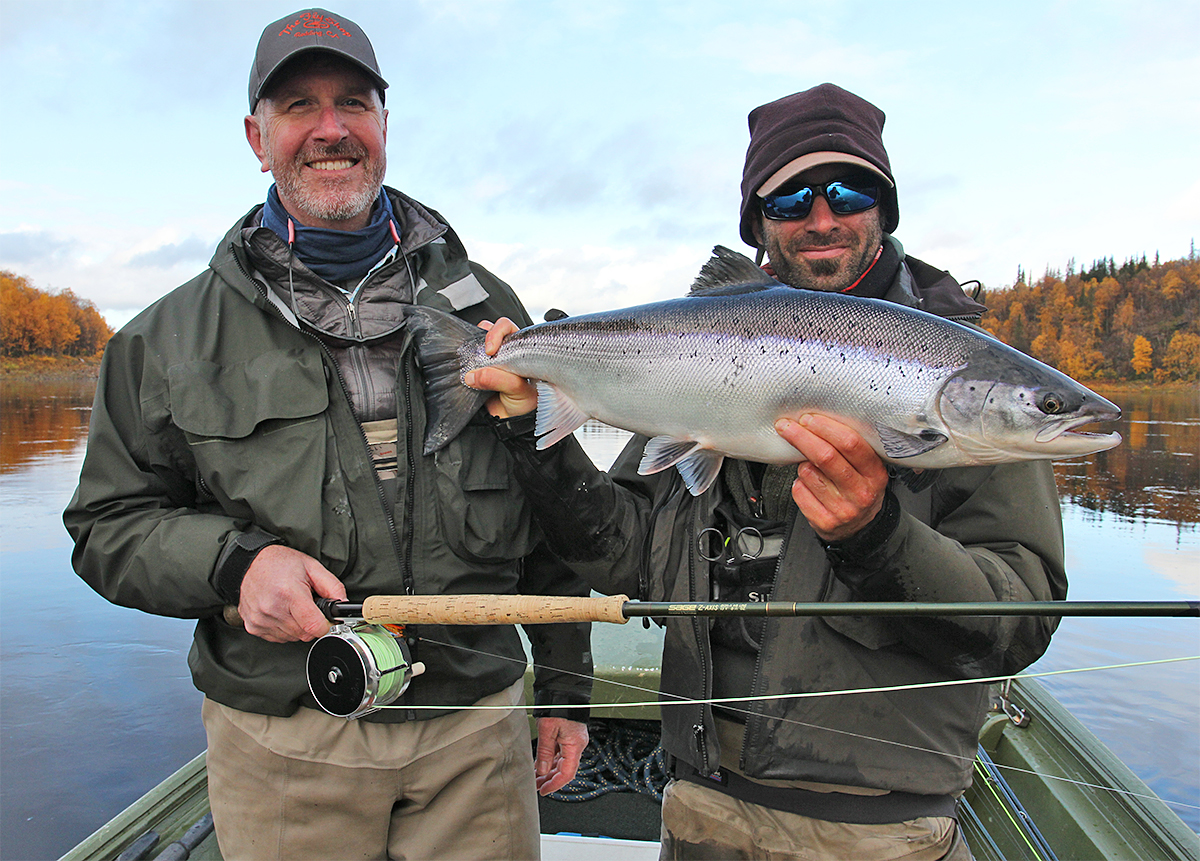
x: 357, y: 669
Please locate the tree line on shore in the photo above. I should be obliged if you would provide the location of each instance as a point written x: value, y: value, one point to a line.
x: 35, y: 322
x: 1137, y: 321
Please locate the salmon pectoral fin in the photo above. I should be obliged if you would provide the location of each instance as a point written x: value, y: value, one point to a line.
x: 557, y: 415
x: 898, y: 444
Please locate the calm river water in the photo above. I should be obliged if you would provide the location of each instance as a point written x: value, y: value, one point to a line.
x: 96, y: 704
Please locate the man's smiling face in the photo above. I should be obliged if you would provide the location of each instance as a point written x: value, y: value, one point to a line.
x: 824, y: 251
x: 321, y: 131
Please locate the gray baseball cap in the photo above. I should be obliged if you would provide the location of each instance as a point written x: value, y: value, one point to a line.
x: 310, y: 30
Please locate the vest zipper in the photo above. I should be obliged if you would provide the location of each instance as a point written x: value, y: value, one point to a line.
x: 698, y: 729
x: 756, y: 682
x: 410, y: 493
x: 330, y: 361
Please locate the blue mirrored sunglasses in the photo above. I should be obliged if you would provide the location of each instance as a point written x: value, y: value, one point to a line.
x: 845, y: 197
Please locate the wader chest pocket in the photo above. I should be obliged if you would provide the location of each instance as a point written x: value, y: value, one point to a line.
x: 484, y: 515
x: 231, y: 401
x: 257, y: 435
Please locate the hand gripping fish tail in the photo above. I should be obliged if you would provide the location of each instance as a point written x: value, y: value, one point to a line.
x: 442, y: 340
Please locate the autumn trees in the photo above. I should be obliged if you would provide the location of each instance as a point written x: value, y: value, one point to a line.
x: 1137, y: 321
x: 33, y: 321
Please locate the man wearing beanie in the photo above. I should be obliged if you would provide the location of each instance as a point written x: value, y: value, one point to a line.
x: 771, y: 757
x: 255, y: 443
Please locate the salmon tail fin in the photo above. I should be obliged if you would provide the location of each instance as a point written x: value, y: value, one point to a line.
x: 442, y: 342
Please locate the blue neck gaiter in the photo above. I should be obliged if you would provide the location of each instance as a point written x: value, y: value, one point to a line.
x: 335, y: 255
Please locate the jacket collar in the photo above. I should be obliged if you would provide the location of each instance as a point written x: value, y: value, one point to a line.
x: 919, y: 285
x: 444, y: 261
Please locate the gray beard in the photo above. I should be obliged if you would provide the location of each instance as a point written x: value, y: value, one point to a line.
x: 327, y: 206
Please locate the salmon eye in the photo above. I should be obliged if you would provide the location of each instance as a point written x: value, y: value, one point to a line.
x: 1052, y: 403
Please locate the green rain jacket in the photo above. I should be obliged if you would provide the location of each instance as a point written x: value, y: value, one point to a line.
x: 215, y: 416
x: 989, y: 533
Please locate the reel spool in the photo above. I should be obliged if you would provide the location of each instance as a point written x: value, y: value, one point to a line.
x: 357, y: 669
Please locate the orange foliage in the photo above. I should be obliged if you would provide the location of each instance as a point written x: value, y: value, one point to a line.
x: 1143, y: 356
x: 1108, y: 323
x: 33, y: 321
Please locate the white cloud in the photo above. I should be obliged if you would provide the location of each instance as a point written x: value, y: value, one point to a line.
x: 585, y: 278
x: 1182, y: 567
x: 606, y: 140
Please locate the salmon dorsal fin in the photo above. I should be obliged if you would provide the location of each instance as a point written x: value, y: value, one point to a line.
x: 728, y: 273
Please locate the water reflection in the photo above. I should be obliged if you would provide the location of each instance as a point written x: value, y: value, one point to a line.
x: 1154, y: 473
x: 41, y: 418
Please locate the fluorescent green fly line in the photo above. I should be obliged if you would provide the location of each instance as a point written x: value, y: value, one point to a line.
x: 388, y: 658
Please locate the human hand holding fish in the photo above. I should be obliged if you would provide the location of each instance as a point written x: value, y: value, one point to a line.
x: 515, y: 396
x: 840, y: 485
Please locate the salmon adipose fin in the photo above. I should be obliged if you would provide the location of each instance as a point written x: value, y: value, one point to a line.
x: 440, y: 339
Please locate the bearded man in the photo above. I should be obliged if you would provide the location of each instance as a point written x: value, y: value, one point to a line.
x: 771, y: 757
x: 255, y: 443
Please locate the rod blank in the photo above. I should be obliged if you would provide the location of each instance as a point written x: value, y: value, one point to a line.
x: 916, y: 608
x: 536, y: 609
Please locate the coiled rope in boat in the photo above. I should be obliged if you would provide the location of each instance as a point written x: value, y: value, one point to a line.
x: 623, y: 756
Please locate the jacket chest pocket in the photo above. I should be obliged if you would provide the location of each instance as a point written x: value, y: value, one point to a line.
x: 258, y: 435
x: 483, y: 513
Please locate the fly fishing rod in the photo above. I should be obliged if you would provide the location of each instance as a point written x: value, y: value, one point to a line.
x: 534, y: 610
x: 364, y: 662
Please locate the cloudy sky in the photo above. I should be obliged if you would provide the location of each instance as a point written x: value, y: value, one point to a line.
x: 590, y: 153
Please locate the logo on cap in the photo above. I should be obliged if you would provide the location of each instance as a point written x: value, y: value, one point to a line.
x: 314, y: 24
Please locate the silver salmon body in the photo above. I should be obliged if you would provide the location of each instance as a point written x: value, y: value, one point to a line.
x: 707, y: 376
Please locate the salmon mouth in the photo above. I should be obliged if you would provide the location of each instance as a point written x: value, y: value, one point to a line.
x: 1065, y: 431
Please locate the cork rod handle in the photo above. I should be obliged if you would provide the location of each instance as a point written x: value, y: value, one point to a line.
x: 491, y: 609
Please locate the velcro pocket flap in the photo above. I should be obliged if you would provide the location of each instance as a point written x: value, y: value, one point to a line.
x: 231, y: 400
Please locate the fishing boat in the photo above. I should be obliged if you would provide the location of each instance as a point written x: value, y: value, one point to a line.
x: 1044, y: 787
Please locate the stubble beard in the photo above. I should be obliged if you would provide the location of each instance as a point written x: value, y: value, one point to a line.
x: 830, y: 274
x: 329, y: 200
